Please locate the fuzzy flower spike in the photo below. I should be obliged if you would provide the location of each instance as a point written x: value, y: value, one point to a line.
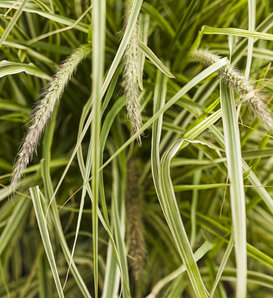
x: 44, y: 109
x: 136, y: 245
x: 240, y: 83
x: 131, y: 70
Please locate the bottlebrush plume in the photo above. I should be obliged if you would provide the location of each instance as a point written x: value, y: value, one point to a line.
x: 52, y: 93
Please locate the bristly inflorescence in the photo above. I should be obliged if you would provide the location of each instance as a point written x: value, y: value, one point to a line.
x: 131, y: 70
x: 240, y: 83
x: 52, y: 93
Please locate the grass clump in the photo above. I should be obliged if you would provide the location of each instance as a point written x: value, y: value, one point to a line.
x: 186, y: 214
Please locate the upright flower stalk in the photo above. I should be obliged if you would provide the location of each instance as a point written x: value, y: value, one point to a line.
x: 131, y: 70
x: 52, y: 93
x: 240, y: 83
x: 136, y: 242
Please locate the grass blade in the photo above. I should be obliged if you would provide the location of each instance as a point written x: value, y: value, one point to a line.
x: 112, y: 275
x: 201, y: 251
x: 251, y: 27
x: 98, y: 40
x: 122, y: 47
x: 12, y: 225
x: 158, y: 18
x: 166, y: 194
x: 172, y: 215
x: 144, y: 23
x: 237, y: 194
x: 125, y: 40
x: 205, y: 73
x: 252, y: 177
x: 118, y: 214
x: 47, y: 15
x: 237, y: 32
x: 9, y: 68
x: 13, y: 21
x: 222, y: 265
x: 41, y: 220
x: 154, y: 59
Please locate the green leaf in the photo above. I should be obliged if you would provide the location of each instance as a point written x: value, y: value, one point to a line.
x: 165, y: 193
x: 237, y: 32
x: 151, y: 56
x: 89, y: 38
x: 201, y: 251
x: 122, y: 47
x: 98, y: 46
x: 9, y: 68
x: 42, y: 223
x: 15, y: 220
x: 251, y: 27
x: 172, y: 215
x: 13, y: 21
x: 237, y: 194
x: 48, y: 15
x: 208, y: 71
x: 158, y: 18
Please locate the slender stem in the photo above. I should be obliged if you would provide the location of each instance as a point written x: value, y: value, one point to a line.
x: 97, y: 71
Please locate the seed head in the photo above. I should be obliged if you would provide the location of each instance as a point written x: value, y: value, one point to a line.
x: 52, y: 93
x: 240, y: 83
x: 131, y: 70
x: 134, y: 220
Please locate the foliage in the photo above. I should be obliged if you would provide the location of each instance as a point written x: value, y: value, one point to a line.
x: 185, y: 211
